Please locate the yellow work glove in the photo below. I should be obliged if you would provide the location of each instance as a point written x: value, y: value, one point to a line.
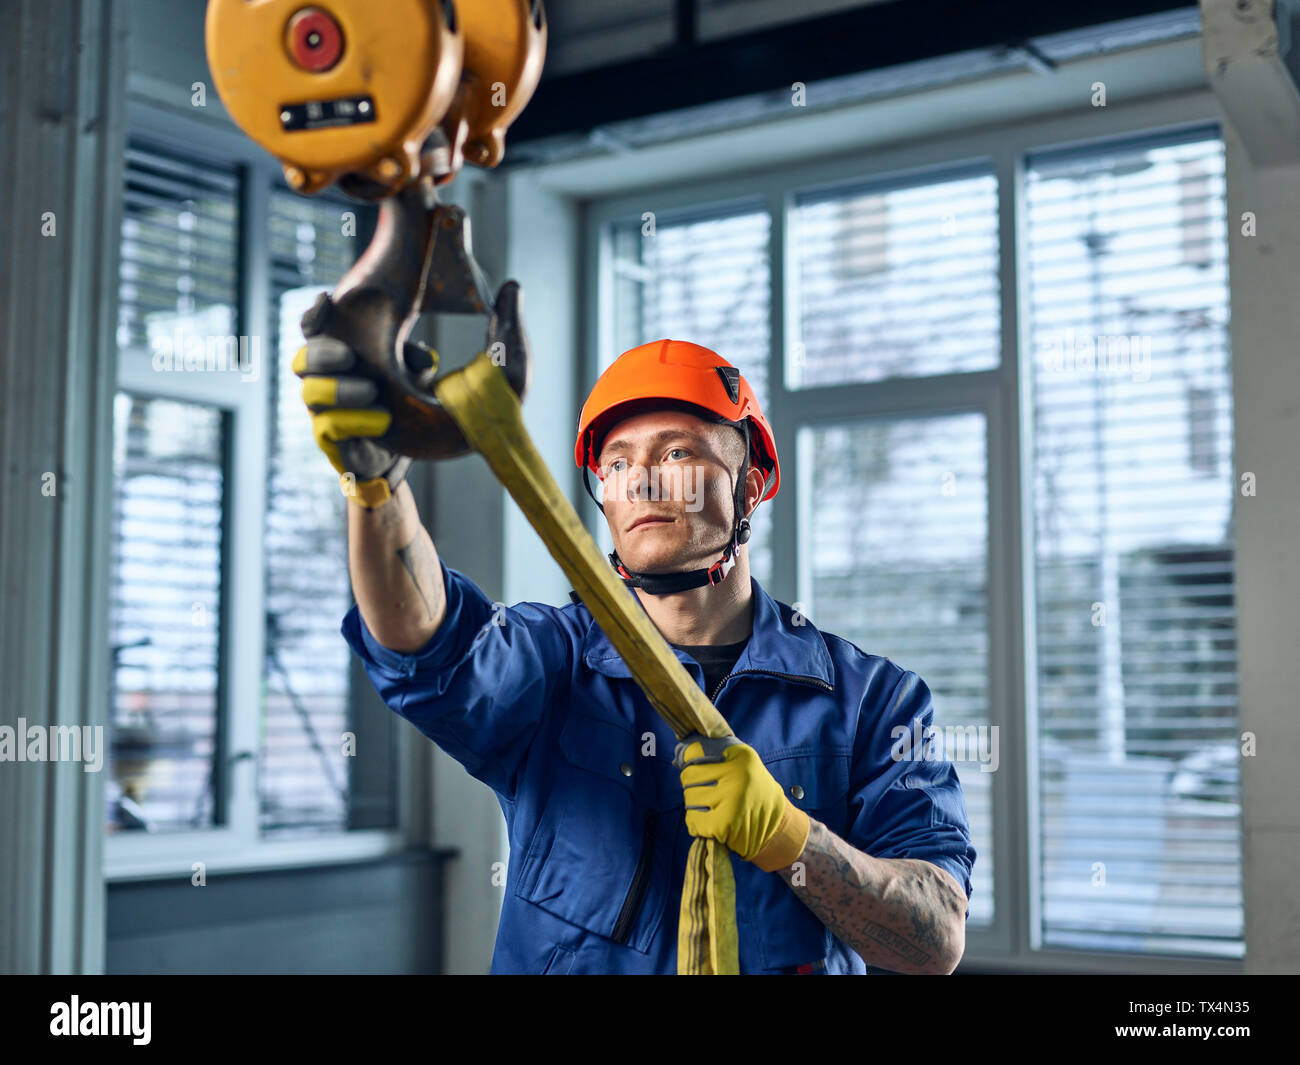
x: 345, y: 420
x: 731, y: 797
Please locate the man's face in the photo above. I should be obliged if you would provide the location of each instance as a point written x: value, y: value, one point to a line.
x: 680, y: 470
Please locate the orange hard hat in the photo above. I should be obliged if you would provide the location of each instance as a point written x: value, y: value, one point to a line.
x: 675, y: 374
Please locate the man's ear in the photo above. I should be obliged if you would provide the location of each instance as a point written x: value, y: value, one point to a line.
x: 753, y: 488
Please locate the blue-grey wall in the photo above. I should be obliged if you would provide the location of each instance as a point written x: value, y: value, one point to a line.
x: 379, y: 916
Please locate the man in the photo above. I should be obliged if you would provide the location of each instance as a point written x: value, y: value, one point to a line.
x: 843, y: 855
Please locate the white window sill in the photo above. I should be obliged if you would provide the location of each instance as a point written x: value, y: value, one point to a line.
x: 174, y: 854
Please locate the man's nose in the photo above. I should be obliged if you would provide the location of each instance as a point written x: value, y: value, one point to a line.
x: 638, y: 482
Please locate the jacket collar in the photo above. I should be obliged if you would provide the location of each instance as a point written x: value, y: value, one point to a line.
x: 777, y: 645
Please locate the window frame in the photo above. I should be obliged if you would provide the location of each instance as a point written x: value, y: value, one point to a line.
x: 1002, y: 394
x: 238, y: 844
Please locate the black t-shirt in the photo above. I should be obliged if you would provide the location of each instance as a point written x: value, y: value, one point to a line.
x: 717, y: 660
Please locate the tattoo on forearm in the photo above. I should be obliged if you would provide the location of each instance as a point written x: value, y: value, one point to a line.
x: 895, y: 944
x: 897, y: 914
x: 417, y: 559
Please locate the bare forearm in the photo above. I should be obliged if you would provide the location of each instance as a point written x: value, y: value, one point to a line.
x: 904, y: 915
x: 395, y: 573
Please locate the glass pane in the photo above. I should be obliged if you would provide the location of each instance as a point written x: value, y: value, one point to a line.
x: 708, y: 281
x: 179, y: 265
x: 1133, y: 482
x: 895, y: 282
x: 165, y: 609
x: 896, y: 523
x: 307, y: 783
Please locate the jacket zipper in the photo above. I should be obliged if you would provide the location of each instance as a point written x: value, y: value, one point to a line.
x: 640, y: 882
x: 771, y: 673
x: 641, y: 879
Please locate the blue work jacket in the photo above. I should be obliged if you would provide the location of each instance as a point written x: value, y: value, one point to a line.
x: 535, y: 702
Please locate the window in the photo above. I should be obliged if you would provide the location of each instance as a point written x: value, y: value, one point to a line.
x: 239, y: 720
x: 1137, y: 697
x: 177, y: 295
x: 952, y: 334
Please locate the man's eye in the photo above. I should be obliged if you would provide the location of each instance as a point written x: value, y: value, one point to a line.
x: 681, y: 449
x: 613, y: 466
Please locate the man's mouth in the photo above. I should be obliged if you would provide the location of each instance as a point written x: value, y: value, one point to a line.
x: 649, y: 521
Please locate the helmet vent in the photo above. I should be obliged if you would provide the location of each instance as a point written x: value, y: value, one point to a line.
x: 731, y: 381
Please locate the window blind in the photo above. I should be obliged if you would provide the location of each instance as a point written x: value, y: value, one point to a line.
x: 1133, y: 495
x: 895, y: 280
x: 179, y: 252
x: 306, y: 779
x: 164, y: 613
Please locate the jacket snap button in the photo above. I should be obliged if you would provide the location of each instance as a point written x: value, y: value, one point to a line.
x: 797, y: 792
x: 626, y: 769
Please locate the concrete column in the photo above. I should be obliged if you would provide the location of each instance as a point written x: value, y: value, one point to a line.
x: 62, y: 84
x: 1244, y: 62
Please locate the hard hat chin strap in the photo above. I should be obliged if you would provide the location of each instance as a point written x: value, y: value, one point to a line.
x: 669, y: 583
